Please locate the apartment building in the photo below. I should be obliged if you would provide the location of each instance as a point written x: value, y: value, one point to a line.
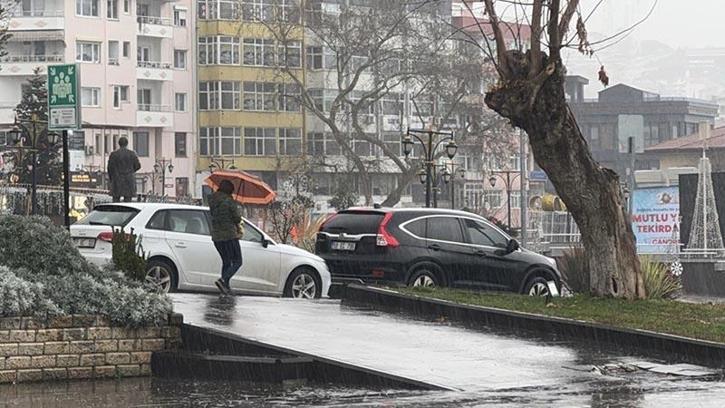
x: 137, y: 81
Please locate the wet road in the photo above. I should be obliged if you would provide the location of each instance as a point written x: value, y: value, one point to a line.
x: 482, y: 367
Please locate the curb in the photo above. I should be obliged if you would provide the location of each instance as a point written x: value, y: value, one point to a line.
x: 658, y: 345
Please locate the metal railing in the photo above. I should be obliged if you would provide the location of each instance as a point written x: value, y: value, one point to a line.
x: 145, y: 107
x: 154, y: 20
x: 31, y: 58
x: 113, y: 61
x: 37, y: 13
x: 153, y: 64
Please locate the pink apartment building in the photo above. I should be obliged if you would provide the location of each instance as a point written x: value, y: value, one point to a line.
x: 137, y: 79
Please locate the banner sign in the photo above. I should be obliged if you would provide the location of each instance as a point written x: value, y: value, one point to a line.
x: 64, y: 107
x: 655, y: 219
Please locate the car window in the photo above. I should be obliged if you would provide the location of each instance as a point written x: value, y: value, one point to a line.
x: 417, y: 227
x: 187, y: 221
x: 251, y: 234
x: 354, y: 223
x: 482, y: 234
x: 158, y: 221
x: 444, y: 229
x: 113, y: 215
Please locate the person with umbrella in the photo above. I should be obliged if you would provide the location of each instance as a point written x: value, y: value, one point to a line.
x: 226, y: 231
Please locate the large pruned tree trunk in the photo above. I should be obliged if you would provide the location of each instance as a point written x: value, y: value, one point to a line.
x: 592, y: 193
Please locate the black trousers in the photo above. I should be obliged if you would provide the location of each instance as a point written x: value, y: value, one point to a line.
x: 231, y: 253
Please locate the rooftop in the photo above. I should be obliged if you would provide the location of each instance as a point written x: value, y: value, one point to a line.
x: 716, y: 140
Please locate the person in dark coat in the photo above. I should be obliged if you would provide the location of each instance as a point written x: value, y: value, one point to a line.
x: 122, y: 166
x: 226, y: 231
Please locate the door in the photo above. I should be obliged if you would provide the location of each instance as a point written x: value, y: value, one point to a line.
x: 260, y: 268
x: 144, y: 99
x: 446, y: 244
x: 489, y: 266
x: 188, y: 236
x: 144, y: 54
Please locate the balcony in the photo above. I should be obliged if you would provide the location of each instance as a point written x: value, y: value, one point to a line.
x: 158, y: 27
x: 26, y: 20
x: 24, y: 65
x: 154, y: 116
x: 154, y: 71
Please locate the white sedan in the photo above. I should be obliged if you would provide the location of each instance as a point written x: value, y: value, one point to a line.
x: 181, y: 255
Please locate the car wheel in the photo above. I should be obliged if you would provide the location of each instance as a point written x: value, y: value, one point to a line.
x: 303, y: 283
x: 423, y: 278
x: 537, y: 286
x: 161, y: 275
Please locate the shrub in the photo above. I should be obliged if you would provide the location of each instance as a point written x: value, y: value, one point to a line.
x: 659, y: 283
x: 575, y: 268
x: 128, y: 256
x: 45, y: 274
x: 307, y: 232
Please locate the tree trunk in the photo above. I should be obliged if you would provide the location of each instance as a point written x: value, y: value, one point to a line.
x: 591, y: 193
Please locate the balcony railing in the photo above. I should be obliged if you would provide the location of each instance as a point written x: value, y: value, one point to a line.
x: 31, y: 58
x: 152, y: 64
x: 37, y: 13
x: 154, y: 108
x: 154, y: 20
x: 113, y: 61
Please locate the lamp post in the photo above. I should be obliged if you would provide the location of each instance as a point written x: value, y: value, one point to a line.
x: 509, y: 181
x: 221, y: 164
x: 449, y: 178
x: 430, y: 146
x: 29, y: 135
x: 161, y: 166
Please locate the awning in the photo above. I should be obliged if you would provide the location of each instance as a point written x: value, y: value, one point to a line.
x: 37, y: 35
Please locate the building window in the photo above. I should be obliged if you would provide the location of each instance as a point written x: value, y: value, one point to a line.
x: 231, y: 142
x: 113, y: 53
x: 393, y: 142
x: 321, y: 58
x: 218, y: 9
x: 180, y: 144
x: 222, y: 50
x: 222, y: 95
x: 126, y: 6
x: 112, y: 9
x: 141, y: 143
x: 180, y: 102
x: 259, y: 52
x: 90, y: 97
x: 260, y: 96
x: 322, y: 144
x: 290, y: 142
x: 267, y: 10
x: 208, y: 141
x: 260, y: 141
x: 120, y: 95
x: 126, y: 49
x: 87, y: 8
x: 290, y: 54
x: 651, y: 135
x: 492, y: 199
x: 88, y: 52
x: 216, y: 141
x: 289, y: 97
x: 362, y: 148
x: 180, y: 59
x: 180, y: 17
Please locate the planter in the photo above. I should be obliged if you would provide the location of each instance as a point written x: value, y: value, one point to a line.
x: 703, y: 277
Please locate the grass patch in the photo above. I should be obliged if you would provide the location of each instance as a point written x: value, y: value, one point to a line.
x: 699, y: 321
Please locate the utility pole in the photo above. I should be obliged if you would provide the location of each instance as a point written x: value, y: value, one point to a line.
x: 524, y: 183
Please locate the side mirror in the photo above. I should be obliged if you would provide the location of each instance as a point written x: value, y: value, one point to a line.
x: 265, y: 243
x: 512, y: 246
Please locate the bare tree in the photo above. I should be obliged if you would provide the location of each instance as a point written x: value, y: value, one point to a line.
x: 530, y: 93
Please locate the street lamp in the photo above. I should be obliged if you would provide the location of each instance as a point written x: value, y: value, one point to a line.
x: 430, y: 146
x: 161, y: 166
x: 221, y: 164
x: 508, y: 180
x: 449, y: 178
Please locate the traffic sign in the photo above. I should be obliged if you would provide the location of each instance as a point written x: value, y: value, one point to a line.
x: 64, y: 107
x: 538, y: 175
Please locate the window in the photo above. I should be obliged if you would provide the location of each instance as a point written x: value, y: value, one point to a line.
x: 112, y: 9
x: 393, y: 142
x: 120, y: 95
x: 392, y: 104
x: 90, y: 96
x: 180, y: 102
x: 493, y: 199
x: 113, y: 53
x: 289, y: 97
x: 87, y: 8
x: 126, y: 49
x: 267, y: 10
x: 260, y: 96
x: 231, y: 141
x: 516, y: 199
x: 418, y: 227
x: 126, y: 6
x: 208, y: 141
x: 222, y: 50
x: 290, y: 54
x: 361, y: 148
x: 180, y: 17
x: 222, y: 95
x: 290, y: 142
x: 141, y: 143
x: 143, y: 54
x: 251, y: 234
x: 88, y: 52
x: 180, y: 144
x: 483, y: 234
x: 321, y: 58
x: 228, y: 50
x: 260, y: 141
x: 651, y: 135
x: 187, y: 222
x: 594, y: 137
x: 216, y: 141
x: 321, y: 144
x: 180, y: 59
x: 259, y: 52
x: 444, y: 229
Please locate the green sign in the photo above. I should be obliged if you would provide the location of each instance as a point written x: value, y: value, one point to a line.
x: 64, y: 107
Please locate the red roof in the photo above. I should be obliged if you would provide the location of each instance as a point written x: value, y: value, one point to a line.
x: 692, y: 142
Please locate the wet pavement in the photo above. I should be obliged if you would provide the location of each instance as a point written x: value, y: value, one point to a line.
x: 481, y: 367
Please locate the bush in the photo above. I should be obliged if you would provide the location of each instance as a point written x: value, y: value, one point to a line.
x: 575, y: 268
x: 45, y: 274
x: 659, y: 283
x: 128, y: 255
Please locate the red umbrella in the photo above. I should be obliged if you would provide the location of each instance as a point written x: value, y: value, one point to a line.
x: 248, y: 189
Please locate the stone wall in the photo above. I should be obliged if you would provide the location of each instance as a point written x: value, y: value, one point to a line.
x: 80, y: 346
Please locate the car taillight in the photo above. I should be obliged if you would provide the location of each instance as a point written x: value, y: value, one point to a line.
x: 385, y: 238
x: 105, y: 236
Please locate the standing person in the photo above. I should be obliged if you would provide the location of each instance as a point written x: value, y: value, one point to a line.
x: 226, y: 231
x: 122, y: 166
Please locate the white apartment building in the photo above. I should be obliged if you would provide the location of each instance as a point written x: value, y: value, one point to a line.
x: 137, y: 80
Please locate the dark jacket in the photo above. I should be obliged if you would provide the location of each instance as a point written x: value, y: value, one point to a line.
x: 122, y: 164
x: 226, y: 217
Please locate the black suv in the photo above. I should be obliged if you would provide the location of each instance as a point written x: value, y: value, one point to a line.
x: 430, y: 247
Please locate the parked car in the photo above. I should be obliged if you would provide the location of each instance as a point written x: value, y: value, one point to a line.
x: 431, y: 247
x: 181, y: 255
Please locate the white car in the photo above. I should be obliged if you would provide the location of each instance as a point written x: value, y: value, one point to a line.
x: 181, y: 255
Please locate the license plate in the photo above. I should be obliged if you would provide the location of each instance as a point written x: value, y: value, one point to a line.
x: 343, y: 246
x: 85, y: 242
